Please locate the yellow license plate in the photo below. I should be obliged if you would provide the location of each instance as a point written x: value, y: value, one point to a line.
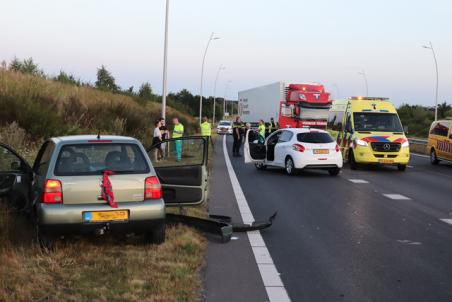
x: 120, y: 215
x: 386, y: 161
x: 321, y: 151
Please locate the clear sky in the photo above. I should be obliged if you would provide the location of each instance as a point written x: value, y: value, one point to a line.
x: 262, y: 41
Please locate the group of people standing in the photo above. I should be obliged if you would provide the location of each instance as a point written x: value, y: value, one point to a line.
x: 162, y: 133
x: 239, y: 131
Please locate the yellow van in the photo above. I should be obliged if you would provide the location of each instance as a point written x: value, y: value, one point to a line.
x: 369, y: 131
x: 439, y: 143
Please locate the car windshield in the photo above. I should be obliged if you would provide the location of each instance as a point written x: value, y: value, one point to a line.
x: 225, y: 124
x: 314, y: 138
x: 383, y: 122
x: 92, y: 159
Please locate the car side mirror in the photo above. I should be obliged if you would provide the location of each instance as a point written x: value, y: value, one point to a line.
x: 450, y: 136
x: 15, y: 166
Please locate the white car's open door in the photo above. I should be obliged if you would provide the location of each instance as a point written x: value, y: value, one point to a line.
x: 254, y: 152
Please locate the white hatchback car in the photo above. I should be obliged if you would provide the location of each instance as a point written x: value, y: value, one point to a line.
x: 294, y: 149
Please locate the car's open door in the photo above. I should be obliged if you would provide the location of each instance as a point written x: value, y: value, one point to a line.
x: 15, y: 177
x: 182, y: 170
x: 255, y: 152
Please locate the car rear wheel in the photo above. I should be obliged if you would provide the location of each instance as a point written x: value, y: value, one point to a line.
x: 290, y: 166
x: 433, y: 158
x: 156, y: 235
x: 45, y: 240
x: 260, y: 166
x: 351, y: 160
x: 334, y: 171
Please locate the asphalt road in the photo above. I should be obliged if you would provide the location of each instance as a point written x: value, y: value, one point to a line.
x: 345, y: 239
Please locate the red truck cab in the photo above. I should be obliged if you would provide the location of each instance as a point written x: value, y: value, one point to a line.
x: 304, y: 105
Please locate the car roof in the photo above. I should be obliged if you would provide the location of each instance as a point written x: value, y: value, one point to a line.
x: 304, y: 130
x: 77, y: 139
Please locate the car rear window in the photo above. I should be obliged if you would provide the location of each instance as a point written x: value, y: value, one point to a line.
x: 314, y: 138
x: 93, y: 159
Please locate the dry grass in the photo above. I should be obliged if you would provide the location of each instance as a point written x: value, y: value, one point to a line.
x: 94, y: 268
x: 46, y: 108
x: 98, y: 269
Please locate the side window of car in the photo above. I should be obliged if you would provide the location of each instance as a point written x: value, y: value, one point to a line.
x: 179, y: 152
x: 43, y: 159
x: 348, y: 124
x: 285, y: 136
x: 9, y: 162
x: 440, y: 128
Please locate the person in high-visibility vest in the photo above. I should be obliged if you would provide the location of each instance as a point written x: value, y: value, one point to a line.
x: 206, y: 129
x: 178, y: 131
x: 261, y: 131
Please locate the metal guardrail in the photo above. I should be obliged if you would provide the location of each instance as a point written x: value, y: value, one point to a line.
x: 418, y: 141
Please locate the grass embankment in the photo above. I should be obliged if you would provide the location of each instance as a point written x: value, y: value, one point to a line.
x: 95, y: 268
x: 45, y: 108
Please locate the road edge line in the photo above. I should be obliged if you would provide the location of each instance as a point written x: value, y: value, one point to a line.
x: 273, y: 284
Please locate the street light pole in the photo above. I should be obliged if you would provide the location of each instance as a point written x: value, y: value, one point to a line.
x: 215, y: 91
x: 363, y: 73
x: 437, y: 76
x: 165, y: 62
x: 202, y: 73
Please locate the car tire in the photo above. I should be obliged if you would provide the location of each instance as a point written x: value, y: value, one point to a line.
x: 45, y: 240
x: 290, y: 167
x: 260, y: 166
x: 156, y: 235
x: 433, y: 157
x: 334, y: 171
x: 351, y: 160
x: 401, y: 167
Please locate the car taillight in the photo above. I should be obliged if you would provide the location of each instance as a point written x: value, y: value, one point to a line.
x: 338, y: 148
x: 152, y: 188
x: 298, y: 147
x: 53, y: 192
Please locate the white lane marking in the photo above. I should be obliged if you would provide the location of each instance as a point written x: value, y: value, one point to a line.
x: 409, y: 242
x: 447, y: 220
x: 396, y: 196
x: 411, y: 167
x: 420, y: 155
x: 272, y: 281
x: 358, y: 181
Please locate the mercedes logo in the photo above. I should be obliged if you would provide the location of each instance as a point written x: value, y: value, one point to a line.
x: 386, y: 147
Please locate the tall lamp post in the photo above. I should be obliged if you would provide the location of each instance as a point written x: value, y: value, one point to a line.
x: 215, y: 91
x: 363, y: 73
x: 430, y: 46
x: 211, y: 38
x: 165, y: 62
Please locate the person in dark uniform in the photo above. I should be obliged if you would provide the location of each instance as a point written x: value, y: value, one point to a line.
x: 273, y: 126
x: 237, y: 133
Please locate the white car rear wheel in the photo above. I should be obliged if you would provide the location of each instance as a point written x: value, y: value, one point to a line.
x: 290, y: 166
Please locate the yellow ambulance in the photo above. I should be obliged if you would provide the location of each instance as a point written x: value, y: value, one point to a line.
x: 369, y: 131
x: 439, y: 143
